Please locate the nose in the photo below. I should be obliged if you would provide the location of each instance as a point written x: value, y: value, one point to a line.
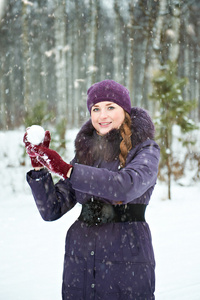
x: 103, y: 113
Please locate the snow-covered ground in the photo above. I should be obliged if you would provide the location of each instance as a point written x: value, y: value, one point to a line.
x: 31, y: 250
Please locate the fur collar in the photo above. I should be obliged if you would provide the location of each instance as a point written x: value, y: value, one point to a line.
x: 90, y: 147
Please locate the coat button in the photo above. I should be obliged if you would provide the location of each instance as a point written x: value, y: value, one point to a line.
x: 92, y: 285
x: 92, y: 252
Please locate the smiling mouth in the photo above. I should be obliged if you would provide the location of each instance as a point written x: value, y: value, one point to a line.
x: 105, y: 123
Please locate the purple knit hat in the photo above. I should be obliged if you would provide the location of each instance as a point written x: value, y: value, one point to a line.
x: 109, y: 90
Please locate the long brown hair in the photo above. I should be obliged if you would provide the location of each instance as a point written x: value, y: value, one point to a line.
x: 126, y: 144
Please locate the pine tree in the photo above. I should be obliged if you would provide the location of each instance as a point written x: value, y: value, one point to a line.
x: 172, y: 109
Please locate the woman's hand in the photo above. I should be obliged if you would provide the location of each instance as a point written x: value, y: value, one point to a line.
x: 50, y: 159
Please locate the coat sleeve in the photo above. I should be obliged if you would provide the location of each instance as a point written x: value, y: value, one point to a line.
x: 125, y: 185
x: 52, y: 200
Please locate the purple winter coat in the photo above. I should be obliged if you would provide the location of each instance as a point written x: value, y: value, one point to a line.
x: 113, y: 261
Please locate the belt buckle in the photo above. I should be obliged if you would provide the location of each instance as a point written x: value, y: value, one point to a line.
x: 98, y: 221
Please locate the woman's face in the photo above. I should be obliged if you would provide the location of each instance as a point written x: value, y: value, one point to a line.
x: 106, y: 116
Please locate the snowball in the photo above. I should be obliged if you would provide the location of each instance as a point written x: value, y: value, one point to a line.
x: 35, y: 134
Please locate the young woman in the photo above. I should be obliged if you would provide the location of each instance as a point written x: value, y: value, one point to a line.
x: 109, y: 253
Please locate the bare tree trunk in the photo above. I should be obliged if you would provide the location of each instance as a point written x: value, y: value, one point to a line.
x: 131, y: 50
x: 60, y: 36
x: 169, y: 174
x: 169, y: 178
x: 118, y: 48
x: 77, y: 65
x: 186, y: 56
x: 26, y: 57
x: 157, y: 46
x: 70, y: 73
x: 175, y: 34
x: 145, y: 85
x: 61, y: 76
x: 158, y: 32
x: 194, y: 67
x: 92, y: 49
x: 3, y: 109
x: 197, y: 62
x: 2, y: 8
x: 168, y: 143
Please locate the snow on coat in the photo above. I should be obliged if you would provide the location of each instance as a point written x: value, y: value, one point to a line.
x: 115, y: 260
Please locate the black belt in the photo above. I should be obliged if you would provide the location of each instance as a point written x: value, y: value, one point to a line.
x: 96, y: 212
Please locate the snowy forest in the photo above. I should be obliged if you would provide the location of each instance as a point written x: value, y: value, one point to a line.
x: 52, y: 51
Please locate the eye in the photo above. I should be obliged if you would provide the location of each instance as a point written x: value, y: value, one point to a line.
x: 95, y: 109
x: 111, y: 107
